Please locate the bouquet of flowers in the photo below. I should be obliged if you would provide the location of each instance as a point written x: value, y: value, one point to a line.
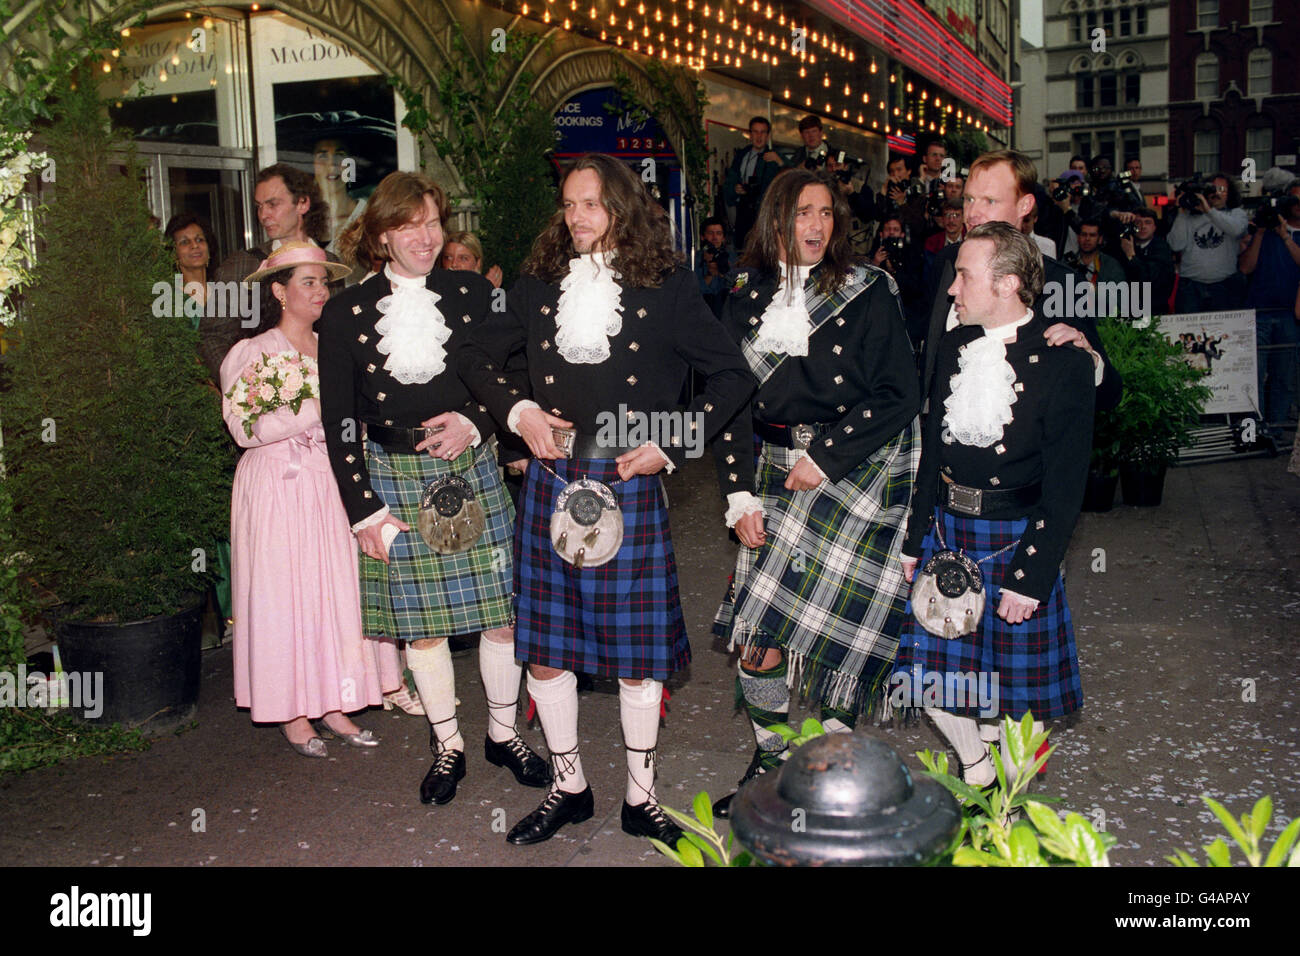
x: 274, y: 381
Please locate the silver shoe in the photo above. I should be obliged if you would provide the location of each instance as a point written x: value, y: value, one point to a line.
x: 363, y: 739
x: 315, y: 747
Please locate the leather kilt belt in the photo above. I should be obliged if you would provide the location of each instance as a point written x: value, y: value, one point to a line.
x: 977, y: 502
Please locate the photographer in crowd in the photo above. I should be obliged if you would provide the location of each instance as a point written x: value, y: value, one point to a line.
x: 1272, y: 261
x: 1068, y: 193
x: 1147, y: 258
x: 926, y: 193
x: 715, y: 261
x: 1111, y: 202
x: 1206, y: 231
x: 1090, y: 261
x: 893, y: 194
x: 752, y: 171
x: 903, y: 259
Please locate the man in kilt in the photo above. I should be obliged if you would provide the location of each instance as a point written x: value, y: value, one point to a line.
x: 1002, y: 475
x: 610, y: 325
x: 817, y: 588
x: 401, y: 427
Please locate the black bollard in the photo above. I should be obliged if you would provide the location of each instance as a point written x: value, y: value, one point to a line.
x: 844, y: 800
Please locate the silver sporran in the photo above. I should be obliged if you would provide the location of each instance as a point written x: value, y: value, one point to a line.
x: 587, y: 524
x: 450, y: 520
x: 948, y: 595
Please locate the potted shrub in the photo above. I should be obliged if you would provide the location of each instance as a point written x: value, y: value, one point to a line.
x: 1163, y: 399
x: 115, y: 451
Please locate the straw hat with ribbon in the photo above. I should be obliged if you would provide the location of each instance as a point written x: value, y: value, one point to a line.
x: 298, y: 253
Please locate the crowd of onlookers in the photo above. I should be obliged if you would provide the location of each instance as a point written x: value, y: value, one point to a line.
x: 1200, y: 250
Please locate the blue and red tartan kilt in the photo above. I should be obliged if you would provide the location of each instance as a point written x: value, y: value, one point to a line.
x: 1035, y: 662
x: 622, y: 619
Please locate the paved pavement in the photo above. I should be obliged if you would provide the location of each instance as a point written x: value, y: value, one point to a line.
x: 1196, y: 596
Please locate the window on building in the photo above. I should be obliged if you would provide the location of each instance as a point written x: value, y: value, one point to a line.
x: 1259, y: 146
x: 1141, y: 20
x: 1125, y: 22
x: 1132, y: 140
x: 1106, y: 145
x: 1207, y: 77
x: 1132, y: 89
x: 1259, y: 73
x: 1083, y: 98
x: 1206, y: 151
x: 1082, y: 144
x: 1207, y: 14
x: 1076, y: 28
x: 1261, y: 11
x: 1109, y: 83
x: 1108, y: 22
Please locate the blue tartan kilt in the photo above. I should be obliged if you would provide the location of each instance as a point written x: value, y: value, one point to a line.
x: 1035, y: 662
x: 622, y: 619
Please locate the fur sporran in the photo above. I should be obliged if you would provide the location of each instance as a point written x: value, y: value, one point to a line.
x: 948, y: 595
x: 450, y: 520
x: 587, y: 524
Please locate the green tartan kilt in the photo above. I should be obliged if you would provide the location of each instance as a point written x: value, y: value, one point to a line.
x: 421, y: 593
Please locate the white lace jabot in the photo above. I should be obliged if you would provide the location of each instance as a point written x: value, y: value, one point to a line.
x: 588, y: 310
x: 786, y: 323
x: 414, y: 330
x: 982, y: 394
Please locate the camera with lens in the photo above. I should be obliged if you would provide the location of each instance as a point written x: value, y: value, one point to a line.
x: 1128, y: 231
x: 1267, y: 215
x: 1190, y: 191
x: 1071, y: 188
x: 893, y: 246
x: 1071, y: 260
x: 815, y: 159
x: 848, y: 167
x: 718, y: 256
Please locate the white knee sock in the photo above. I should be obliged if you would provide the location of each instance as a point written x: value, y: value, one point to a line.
x: 557, y: 708
x: 436, y: 681
x: 500, y: 670
x: 964, y: 734
x: 638, y: 708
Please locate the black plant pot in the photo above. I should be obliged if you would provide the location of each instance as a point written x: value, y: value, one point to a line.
x: 1141, y: 487
x: 150, y: 668
x: 1099, y: 493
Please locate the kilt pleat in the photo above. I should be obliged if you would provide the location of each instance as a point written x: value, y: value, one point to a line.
x: 622, y: 619
x: 1035, y: 663
x: 421, y: 593
x: 827, y: 585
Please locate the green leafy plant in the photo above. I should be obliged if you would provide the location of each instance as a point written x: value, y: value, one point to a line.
x: 115, y: 451
x: 495, y: 136
x: 1248, y: 834
x: 995, y: 833
x: 1162, y: 402
x: 700, y: 839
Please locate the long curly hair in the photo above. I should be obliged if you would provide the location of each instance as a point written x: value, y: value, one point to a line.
x: 638, y: 232
x: 773, y: 239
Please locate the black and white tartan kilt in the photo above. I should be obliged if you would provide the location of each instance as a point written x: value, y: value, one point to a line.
x: 622, y: 619
x: 1035, y: 662
x: 421, y: 593
x: 827, y: 585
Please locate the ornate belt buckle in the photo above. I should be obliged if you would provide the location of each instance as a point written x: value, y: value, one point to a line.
x: 966, y: 500
x: 801, y: 436
x: 564, y: 439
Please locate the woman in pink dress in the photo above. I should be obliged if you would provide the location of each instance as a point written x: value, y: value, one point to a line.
x: 299, y: 653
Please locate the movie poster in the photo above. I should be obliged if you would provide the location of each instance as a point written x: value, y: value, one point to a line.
x: 1221, y: 345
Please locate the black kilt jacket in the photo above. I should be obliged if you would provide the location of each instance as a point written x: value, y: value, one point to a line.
x: 1049, y: 440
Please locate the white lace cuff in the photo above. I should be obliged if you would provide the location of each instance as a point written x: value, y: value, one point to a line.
x: 477, y: 438
x: 813, y: 463
x: 669, y: 467
x: 1016, y: 594
x: 739, y: 504
x: 1099, y: 368
x: 371, y: 520
x: 512, y: 420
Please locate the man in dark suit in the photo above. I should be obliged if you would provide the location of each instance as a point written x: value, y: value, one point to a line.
x: 752, y: 171
x: 1000, y: 189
